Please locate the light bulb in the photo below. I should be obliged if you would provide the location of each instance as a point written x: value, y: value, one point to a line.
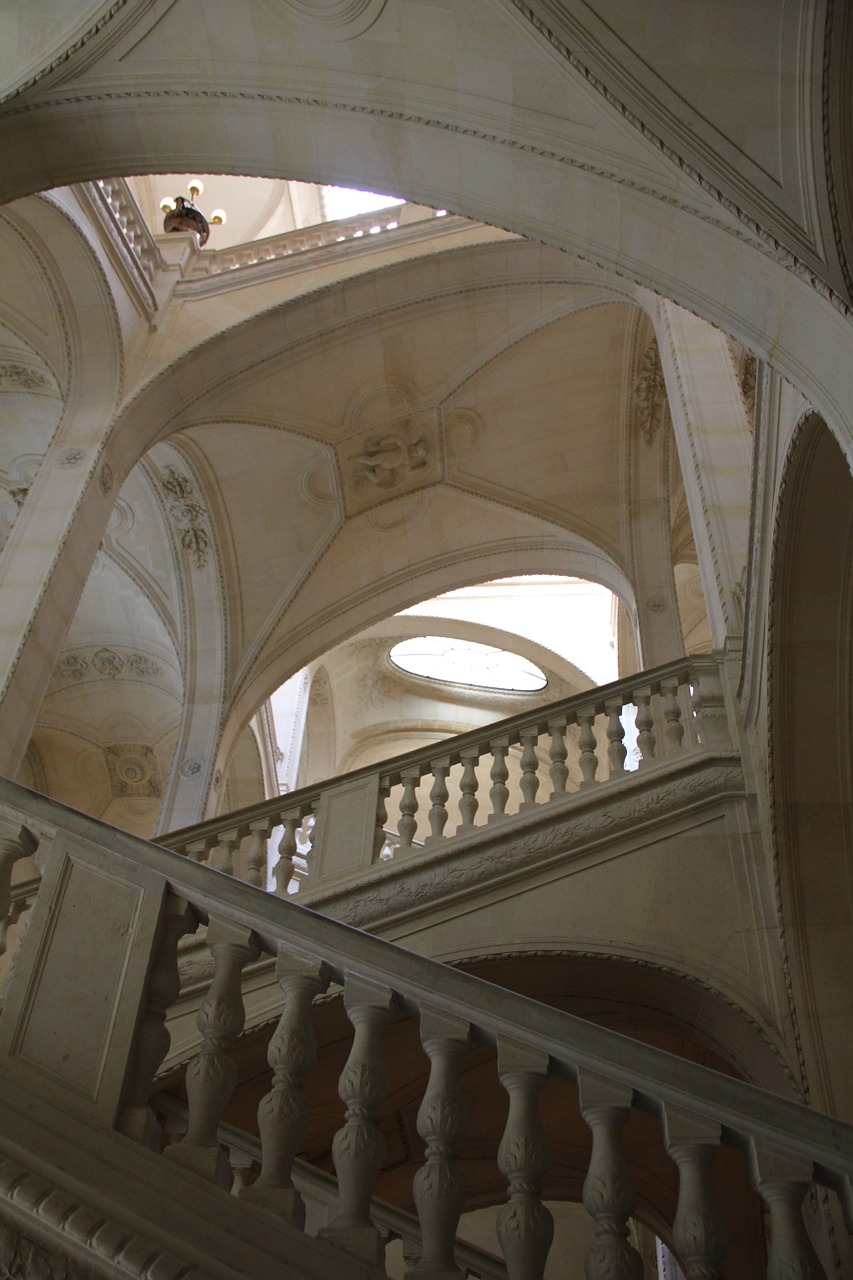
x: 167, y: 204
x: 218, y: 217
x: 195, y: 186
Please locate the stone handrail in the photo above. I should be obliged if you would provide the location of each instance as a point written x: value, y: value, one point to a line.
x: 151, y: 896
x: 678, y: 709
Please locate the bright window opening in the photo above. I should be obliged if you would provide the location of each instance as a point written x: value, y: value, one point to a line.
x: 466, y: 662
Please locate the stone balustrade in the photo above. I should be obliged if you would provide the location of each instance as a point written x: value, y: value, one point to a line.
x: 469, y: 784
x: 115, y: 195
x: 101, y: 1064
x: 319, y: 1190
x: 216, y: 262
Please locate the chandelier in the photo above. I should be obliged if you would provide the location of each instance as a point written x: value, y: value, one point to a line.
x: 184, y: 215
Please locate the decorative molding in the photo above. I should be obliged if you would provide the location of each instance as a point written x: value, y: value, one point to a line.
x: 758, y: 235
x: 745, y: 229
x: 133, y: 770
x: 57, y: 1215
x: 105, y: 662
x: 69, y: 52
x: 335, y: 19
x: 650, y: 391
x: 23, y: 1259
x: 16, y: 376
x: 188, y: 514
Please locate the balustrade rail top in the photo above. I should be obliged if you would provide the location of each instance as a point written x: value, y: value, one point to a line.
x: 449, y: 749
x: 571, y: 1043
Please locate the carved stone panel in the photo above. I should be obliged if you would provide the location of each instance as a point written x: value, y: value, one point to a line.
x: 390, y: 459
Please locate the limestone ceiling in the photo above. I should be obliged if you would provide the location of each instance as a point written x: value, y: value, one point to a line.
x: 716, y: 105
x: 336, y: 469
x: 730, y: 90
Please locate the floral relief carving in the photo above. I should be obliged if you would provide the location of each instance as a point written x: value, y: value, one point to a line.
x: 189, y: 515
x: 15, y: 376
x: 133, y: 770
x: 650, y: 392
x: 106, y: 662
x: 463, y: 868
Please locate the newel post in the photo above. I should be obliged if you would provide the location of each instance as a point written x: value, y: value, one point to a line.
x: 137, y: 1120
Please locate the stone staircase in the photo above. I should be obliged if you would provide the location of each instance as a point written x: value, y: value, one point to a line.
x: 94, y: 1179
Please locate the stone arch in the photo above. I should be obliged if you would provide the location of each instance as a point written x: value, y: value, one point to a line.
x: 692, y: 247
x: 811, y: 632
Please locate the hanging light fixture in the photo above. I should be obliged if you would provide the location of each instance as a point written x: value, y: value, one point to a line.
x: 185, y: 215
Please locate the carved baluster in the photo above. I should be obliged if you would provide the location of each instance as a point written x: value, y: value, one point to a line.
x: 698, y: 1231
x: 439, y: 1186
x: 408, y: 808
x: 674, y: 731
x: 559, y: 753
x: 608, y: 1194
x: 16, y: 842
x: 438, y: 799
x: 646, y: 740
x: 283, y: 1112
x: 616, y: 750
x: 256, y: 860
x: 380, y: 836
x: 529, y: 769
x: 223, y: 860
x: 137, y: 1120
x: 358, y: 1149
x: 468, y: 804
x: 709, y: 704
x: 283, y: 870
x: 782, y: 1182
x: 198, y: 850
x: 525, y: 1226
x: 587, y: 760
x: 499, y: 793
x: 211, y: 1075
x: 241, y: 1166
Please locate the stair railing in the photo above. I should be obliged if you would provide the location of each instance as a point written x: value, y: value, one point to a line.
x: 337, y: 828
x: 102, y: 1063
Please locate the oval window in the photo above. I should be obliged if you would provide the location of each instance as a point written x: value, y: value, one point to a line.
x: 466, y: 662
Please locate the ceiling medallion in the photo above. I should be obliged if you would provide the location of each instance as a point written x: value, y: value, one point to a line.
x: 340, y: 19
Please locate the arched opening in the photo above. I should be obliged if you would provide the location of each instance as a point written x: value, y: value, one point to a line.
x: 812, y: 751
